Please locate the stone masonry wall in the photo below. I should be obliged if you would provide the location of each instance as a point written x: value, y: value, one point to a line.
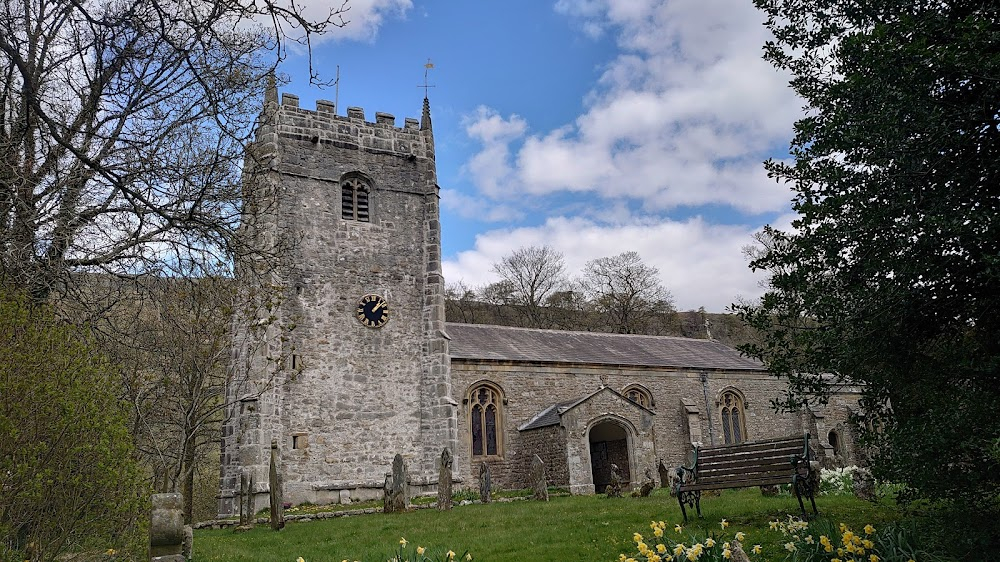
x: 347, y: 397
x: 530, y: 388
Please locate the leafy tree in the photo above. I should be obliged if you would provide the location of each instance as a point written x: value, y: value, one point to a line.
x: 626, y: 291
x: 889, y: 279
x: 68, y: 477
x: 529, y: 276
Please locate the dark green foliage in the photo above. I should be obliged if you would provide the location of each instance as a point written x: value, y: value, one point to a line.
x: 68, y: 480
x: 891, y: 277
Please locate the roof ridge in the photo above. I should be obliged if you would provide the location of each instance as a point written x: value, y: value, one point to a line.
x: 581, y: 332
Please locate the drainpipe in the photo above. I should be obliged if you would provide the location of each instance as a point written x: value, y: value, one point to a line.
x: 708, y: 409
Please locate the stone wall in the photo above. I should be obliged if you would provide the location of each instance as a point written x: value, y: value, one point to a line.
x: 343, y: 398
x: 530, y: 388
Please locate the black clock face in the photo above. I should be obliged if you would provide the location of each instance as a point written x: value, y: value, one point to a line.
x: 373, y: 311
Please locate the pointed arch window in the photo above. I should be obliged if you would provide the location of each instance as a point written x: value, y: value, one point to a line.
x: 733, y: 417
x: 485, y: 420
x: 354, y: 194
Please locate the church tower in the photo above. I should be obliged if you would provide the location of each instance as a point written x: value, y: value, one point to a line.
x: 345, y: 364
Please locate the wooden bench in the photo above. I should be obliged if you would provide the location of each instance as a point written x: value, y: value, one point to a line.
x: 752, y: 463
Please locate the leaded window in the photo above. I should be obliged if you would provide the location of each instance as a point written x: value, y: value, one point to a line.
x: 638, y: 395
x: 733, y: 417
x: 484, y: 420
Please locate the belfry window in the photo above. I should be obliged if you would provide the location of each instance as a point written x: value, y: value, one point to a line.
x: 733, y: 417
x: 484, y: 420
x: 354, y: 199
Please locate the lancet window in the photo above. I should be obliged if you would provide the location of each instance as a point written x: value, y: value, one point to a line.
x: 733, y: 417
x: 485, y: 420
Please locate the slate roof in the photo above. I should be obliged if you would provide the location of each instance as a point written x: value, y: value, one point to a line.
x: 504, y: 343
x: 550, y: 416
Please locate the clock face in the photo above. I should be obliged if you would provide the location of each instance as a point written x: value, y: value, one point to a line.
x: 373, y: 311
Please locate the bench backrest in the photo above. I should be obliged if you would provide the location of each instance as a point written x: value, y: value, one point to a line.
x: 754, y: 463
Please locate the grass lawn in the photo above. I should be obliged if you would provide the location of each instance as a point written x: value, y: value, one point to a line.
x: 584, y: 528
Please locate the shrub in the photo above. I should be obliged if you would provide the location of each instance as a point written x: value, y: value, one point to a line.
x: 68, y: 479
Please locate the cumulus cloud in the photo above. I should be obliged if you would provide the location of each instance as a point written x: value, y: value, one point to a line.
x: 683, y: 116
x: 365, y: 17
x: 700, y: 263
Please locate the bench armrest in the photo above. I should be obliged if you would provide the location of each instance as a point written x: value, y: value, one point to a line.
x: 683, y: 470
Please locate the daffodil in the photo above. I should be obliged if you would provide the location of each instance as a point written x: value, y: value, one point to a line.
x: 468, y: 556
x: 678, y: 528
x: 420, y: 550
x: 637, y: 537
x: 403, y: 542
x: 661, y: 548
x: 724, y: 524
x: 756, y: 549
x: 790, y: 546
x: 658, y: 532
x: 709, y: 542
x: 679, y: 549
x: 451, y: 555
x: 727, y: 554
x: 774, y: 525
x: 740, y: 536
x: 873, y: 558
x: 869, y: 529
x: 111, y: 552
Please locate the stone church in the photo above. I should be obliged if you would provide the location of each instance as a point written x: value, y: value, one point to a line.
x: 354, y: 361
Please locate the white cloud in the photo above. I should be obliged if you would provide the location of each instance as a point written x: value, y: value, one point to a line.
x: 700, y: 263
x: 365, y: 17
x: 683, y: 116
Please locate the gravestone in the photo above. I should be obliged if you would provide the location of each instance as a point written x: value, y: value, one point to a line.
x: 397, y: 497
x: 647, y: 486
x: 277, y: 497
x: 614, y: 489
x: 664, y: 474
x: 538, y: 482
x: 444, y: 480
x: 166, y: 528
x: 864, y: 484
x: 187, y: 549
x: 737, y: 554
x: 485, y: 484
x: 246, y: 501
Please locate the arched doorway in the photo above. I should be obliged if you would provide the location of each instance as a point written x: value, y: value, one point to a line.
x: 609, y: 445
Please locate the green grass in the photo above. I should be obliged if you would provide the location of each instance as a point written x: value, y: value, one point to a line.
x: 584, y: 528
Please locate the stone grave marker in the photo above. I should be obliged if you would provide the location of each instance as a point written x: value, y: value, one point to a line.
x: 485, y: 483
x: 277, y: 497
x: 538, y: 481
x: 444, y: 501
x: 166, y: 528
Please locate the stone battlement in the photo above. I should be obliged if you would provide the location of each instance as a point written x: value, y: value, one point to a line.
x: 323, y: 126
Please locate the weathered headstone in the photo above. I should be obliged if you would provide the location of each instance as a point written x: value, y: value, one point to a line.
x: 277, y: 497
x: 166, y: 528
x: 538, y: 481
x: 397, y: 497
x: 664, y: 474
x: 188, y: 547
x: 485, y: 483
x: 647, y: 486
x: 246, y: 502
x: 614, y: 489
x: 864, y: 485
x: 444, y: 480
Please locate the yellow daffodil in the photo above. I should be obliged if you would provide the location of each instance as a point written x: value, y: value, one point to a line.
x: 451, y: 555
x: 661, y: 548
x: 653, y: 558
x: 637, y: 537
x: 679, y: 549
x: 869, y: 529
x: 420, y: 550
x: 709, y: 542
x: 678, y: 528
x: 867, y: 543
x: 790, y: 546
x: 835, y: 560
x: 727, y: 554
x: 468, y: 556
x: 621, y: 558
x: 756, y: 549
x: 111, y: 552
x: 873, y: 558
x: 843, y: 528
x: 658, y: 532
x: 403, y: 542
x: 774, y: 525
x: 809, y: 540
x: 740, y: 536
x: 724, y: 524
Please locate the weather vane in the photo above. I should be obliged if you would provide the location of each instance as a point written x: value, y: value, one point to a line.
x: 427, y: 68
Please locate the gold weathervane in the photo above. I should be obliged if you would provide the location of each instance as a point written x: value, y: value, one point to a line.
x: 427, y: 68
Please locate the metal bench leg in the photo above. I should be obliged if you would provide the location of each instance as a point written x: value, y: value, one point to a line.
x: 691, y: 499
x: 697, y: 502
x: 681, y: 502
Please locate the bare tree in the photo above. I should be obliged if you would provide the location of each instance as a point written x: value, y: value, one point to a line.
x: 122, y: 131
x: 532, y: 274
x: 626, y: 291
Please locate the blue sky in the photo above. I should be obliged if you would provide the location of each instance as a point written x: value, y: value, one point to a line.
x: 592, y: 126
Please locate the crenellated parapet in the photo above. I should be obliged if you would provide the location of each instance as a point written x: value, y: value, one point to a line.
x: 324, y: 127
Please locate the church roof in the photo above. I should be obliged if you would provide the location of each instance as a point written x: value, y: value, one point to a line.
x: 504, y: 343
x: 552, y: 414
